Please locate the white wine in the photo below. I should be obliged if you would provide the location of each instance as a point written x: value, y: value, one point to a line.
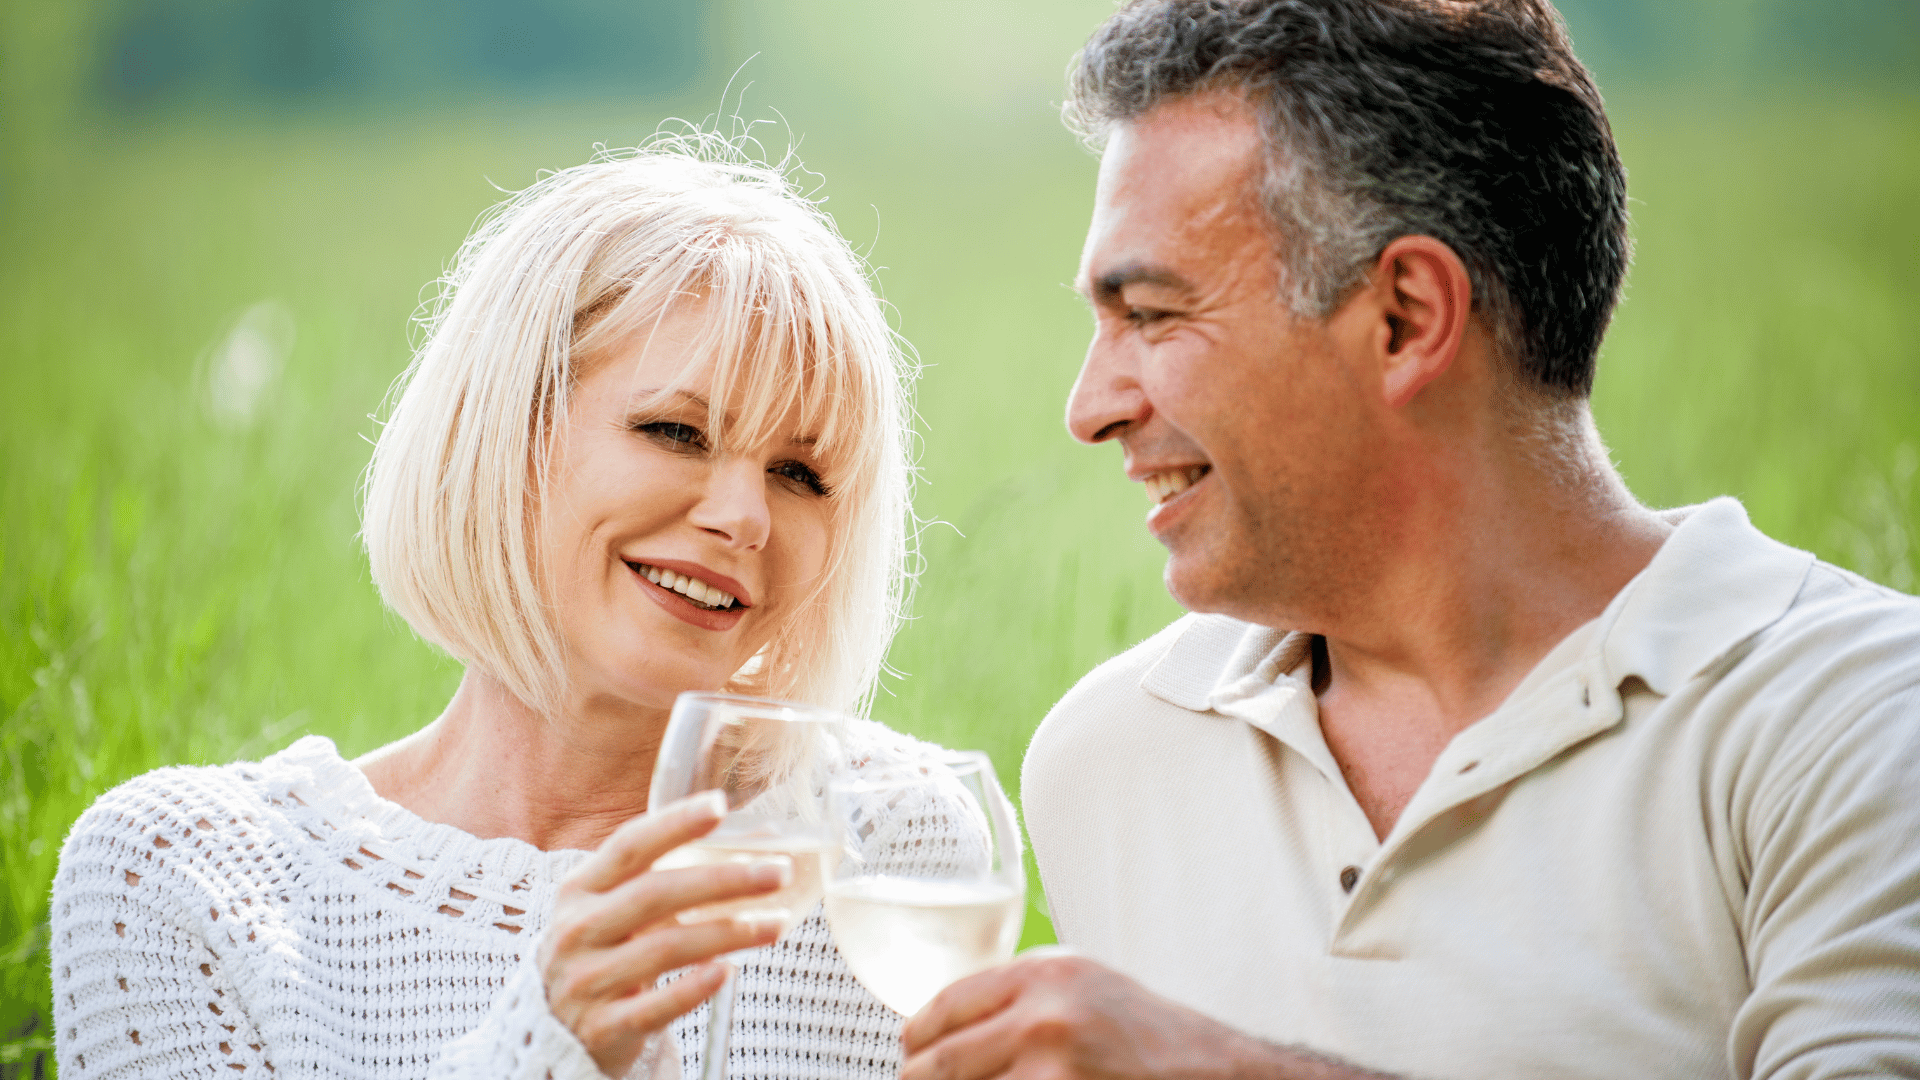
x: 907, y: 938
x: 809, y: 855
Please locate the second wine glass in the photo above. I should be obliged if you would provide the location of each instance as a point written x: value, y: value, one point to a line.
x: 930, y: 886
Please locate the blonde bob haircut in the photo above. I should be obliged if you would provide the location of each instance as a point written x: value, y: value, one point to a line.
x: 578, y: 260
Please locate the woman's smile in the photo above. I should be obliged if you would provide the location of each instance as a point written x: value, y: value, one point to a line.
x: 692, y: 593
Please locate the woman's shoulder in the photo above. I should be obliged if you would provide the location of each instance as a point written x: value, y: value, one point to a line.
x: 196, y: 827
x: 870, y: 743
x: 179, y: 803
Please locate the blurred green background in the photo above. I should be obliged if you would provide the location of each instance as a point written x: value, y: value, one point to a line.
x: 217, y: 217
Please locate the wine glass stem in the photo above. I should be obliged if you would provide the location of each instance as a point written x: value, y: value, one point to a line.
x: 713, y: 1061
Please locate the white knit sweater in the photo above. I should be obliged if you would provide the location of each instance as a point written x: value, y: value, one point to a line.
x: 281, y: 918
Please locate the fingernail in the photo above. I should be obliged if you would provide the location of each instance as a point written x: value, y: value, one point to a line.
x: 761, y: 922
x: 773, y: 870
x: 707, y: 804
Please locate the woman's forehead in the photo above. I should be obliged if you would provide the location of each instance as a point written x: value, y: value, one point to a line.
x: 678, y: 362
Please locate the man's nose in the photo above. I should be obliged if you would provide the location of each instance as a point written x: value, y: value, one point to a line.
x: 1107, y: 398
x: 733, y: 506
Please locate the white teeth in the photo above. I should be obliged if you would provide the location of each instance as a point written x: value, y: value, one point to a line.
x: 695, y: 590
x: 1162, y: 486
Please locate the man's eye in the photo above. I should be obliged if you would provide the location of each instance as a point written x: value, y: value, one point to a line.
x: 674, y: 434
x: 1143, y: 316
x: 802, y: 475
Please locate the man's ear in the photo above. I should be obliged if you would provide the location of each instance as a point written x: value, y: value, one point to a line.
x: 1424, y: 299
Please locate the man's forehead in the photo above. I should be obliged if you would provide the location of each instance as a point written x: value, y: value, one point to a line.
x: 1185, y: 169
x: 1192, y: 138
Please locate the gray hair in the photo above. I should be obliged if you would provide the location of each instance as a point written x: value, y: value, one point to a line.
x: 1470, y: 121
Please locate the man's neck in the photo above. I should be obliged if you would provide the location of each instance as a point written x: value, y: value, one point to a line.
x: 1493, y: 570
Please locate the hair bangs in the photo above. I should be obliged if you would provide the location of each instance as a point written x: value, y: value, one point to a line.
x: 780, y: 360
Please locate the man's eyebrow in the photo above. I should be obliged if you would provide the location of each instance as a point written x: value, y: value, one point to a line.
x: 1107, y: 286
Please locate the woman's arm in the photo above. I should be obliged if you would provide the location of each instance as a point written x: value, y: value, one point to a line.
x: 178, y: 941
x: 137, y: 990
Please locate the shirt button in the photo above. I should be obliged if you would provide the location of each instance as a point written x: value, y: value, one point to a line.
x: 1348, y: 877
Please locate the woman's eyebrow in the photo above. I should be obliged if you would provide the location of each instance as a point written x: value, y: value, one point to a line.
x: 687, y: 396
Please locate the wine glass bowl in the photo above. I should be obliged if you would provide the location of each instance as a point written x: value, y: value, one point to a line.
x: 773, y: 761
x: 929, y: 885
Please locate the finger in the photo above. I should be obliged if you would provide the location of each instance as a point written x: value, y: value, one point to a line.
x: 973, y: 1053
x: 636, y: 843
x: 965, y: 1002
x: 660, y: 894
x: 620, y: 971
x: 649, y: 1012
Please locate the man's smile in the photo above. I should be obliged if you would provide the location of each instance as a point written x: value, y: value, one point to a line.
x: 1167, y: 483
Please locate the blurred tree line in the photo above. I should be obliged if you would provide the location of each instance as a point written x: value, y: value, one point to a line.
x: 151, y: 51
x: 141, y: 54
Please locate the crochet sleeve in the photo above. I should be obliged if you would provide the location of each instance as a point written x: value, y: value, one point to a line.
x: 166, y: 920
x: 138, y: 989
x: 521, y: 1039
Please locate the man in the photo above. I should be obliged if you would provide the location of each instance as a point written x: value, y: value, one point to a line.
x: 1467, y: 764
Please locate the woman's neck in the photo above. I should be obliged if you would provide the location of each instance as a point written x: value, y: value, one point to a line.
x: 492, y: 767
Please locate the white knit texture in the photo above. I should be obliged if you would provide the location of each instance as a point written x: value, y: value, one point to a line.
x: 280, y: 918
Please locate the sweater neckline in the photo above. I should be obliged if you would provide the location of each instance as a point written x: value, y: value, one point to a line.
x: 335, y: 786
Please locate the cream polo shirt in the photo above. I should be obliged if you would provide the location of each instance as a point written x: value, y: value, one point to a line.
x: 1688, y: 845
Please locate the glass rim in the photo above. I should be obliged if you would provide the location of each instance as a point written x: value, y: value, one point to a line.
x: 763, y: 708
x: 891, y: 776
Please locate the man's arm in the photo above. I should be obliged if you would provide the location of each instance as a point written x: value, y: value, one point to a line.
x: 1053, y: 1016
x: 1832, y: 913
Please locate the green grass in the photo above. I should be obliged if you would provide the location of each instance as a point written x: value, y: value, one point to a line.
x: 176, y: 590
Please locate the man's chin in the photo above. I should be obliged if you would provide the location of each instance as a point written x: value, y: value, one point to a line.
x: 1203, y: 590
x: 1191, y: 589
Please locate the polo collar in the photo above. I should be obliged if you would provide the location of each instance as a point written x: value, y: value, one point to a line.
x: 1713, y: 584
x: 1716, y: 582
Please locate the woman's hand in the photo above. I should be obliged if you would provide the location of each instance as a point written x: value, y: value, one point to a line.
x: 614, y: 932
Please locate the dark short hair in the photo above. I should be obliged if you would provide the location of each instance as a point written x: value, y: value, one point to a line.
x: 1470, y: 121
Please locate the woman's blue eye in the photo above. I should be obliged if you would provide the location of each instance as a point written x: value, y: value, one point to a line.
x: 676, y: 434
x: 801, y: 474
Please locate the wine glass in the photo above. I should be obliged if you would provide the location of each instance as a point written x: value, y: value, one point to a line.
x: 929, y: 886
x: 773, y: 760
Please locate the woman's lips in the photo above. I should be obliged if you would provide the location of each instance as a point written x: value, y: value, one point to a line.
x: 694, y: 572
x: 686, y: 610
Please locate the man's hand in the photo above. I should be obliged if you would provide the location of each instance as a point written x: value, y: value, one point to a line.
x: 1053, y: 1016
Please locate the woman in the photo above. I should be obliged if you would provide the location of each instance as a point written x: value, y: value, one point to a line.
x: 654, y: 442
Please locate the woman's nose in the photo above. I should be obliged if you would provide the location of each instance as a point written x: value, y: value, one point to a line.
x: 733, y: 507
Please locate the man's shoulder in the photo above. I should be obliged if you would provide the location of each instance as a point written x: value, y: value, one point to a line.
x: 1164, y: 675
x: 1124, y: 670
x: 1834, y: 592
x: 1842, y: 624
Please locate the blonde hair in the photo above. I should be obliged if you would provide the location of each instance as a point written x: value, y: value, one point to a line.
x: 461, y: 469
